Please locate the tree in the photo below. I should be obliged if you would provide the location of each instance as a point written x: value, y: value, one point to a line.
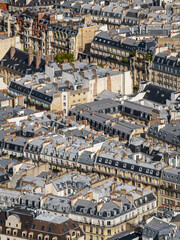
x: 60, y: 58
x: 149, y: 57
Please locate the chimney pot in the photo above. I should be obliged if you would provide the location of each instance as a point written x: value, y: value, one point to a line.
x: 12, y: 52
x: 38, y: 58
x: 30, y: 56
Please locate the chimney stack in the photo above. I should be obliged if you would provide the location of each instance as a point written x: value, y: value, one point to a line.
x: 12, y: 52
x: 38, y: 58
x: 30, y: 57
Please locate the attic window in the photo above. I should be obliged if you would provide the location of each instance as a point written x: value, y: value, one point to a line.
x: 100, y: 159
x: 116, y: 164
x: 124, y: 165
x: 157, y: 173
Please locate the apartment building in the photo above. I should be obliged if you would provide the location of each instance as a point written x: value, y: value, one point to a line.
x: 59, y: 89
x: 138, y: 171
x: 19, y: 63
x: 65, y: 37
x: 169, y: 193
x: 167, y: 133
x: 102, y: 115
x: 117, y: 51
x: 20, y: 223
x: 23, y: 5
x: 110, y: 15
x: 165, y: 70
x: 103, y: 219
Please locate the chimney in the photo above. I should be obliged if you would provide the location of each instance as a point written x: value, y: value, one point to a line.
x: 12, y: 52
x: 40, y: 15
x: 30, y: 56
x: 38, y: 58
x: 99, y: 206
x: 118, y: 202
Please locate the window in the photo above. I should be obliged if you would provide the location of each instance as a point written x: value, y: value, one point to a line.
x: 109, y: 232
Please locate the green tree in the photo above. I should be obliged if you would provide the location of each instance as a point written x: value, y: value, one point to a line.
x: 100, y: 65
x: 125, y: 60
x: 133, y: 53
x: 136, y: 88
x: 149, y: 57
x: 60, y: 58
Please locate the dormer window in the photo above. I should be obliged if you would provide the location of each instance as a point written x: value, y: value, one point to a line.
x: 124, y: 165
x: 116, y: 164
x: 46, y: 237
x: 40, y: 237
x: 15, y: 232
x: 140, y: 169
x: 24, y: 234
x: 157, y: 173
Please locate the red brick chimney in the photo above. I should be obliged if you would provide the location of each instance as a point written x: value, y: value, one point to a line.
x: 52, y: 18
x: 40, y: 15
x: 31, y: 56
x: 38, y: 58
x: 12, y: 51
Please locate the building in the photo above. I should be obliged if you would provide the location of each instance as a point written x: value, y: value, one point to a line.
x: 6, y: 42
x: 106, y: 218
x: 59, y: 89
x: 165, y: 70
x: 167, y: 133
x: 19, y: 63
x: 169, y: 188
x: 65, y: 37
x: 117, y: 51
x: 23, y: 5
x: 102, y: 115
x: 20, y: 223
x: 157, y: 228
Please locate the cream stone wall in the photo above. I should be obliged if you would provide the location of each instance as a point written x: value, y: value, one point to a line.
x: 6, y: 43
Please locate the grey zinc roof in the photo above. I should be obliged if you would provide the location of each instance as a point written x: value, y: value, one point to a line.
x: 85, y: 158
x: 137, y: 106
x: 157, y: 228
x: 172, y: 175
